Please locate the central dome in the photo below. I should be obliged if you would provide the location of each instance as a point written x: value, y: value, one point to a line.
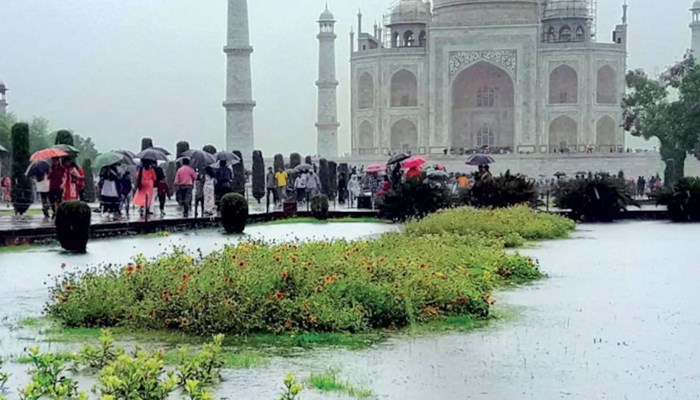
x: 411, y: 12
x: 579, y: 9
x: 486, y: 12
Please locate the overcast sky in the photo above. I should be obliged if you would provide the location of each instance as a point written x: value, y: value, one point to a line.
x: 118, y: 70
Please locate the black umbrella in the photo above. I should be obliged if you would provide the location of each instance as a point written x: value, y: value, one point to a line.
x: 480, y: 159
x: 303, y: 168
x: 398, y: 158
x: 151, y: 155
x: 438, y: 175
x: 162, y: 150
x: 199, y: 159
x: 228, y: 157
x: 38, y: 168
x: 127, y: 153
x: 67, y: 148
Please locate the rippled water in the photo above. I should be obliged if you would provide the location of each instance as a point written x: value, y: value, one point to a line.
x: 617, y: 319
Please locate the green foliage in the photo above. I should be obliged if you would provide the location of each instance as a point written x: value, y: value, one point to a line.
x: 278, y: 163
x: 22, y: 190
x: 146, y: 143
x: 258, y: 175
x: 239, y: 177
x: 49, y: 378
x: 4, y: 376
x: 292, y: 389
x: 205, y: 366
x: 682, y: 200
x: 319, y: 206
x: 506, y: 190
x: 414, y: 198
x: 64, y: 137
x: 142, y: 376
x: 294, y: 160
x: 333, y: 177
x: 181, y: 147
x: 599, y: 198
x: 209, y: 149
x: 324, y: 177
x: 90, y: 195
x: 39, y: 136
x: 234, y: 213
x: 98, y: 357
x: 330, y: 382
x: 73, y: 225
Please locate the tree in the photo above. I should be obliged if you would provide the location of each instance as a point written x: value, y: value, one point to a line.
x: 181, y: 147
x: 294, y: 160
x: 39, y: 137
x: 333, y: 177
x: 238, y: 185
x: 323, y: 176
x: 64, y: 137
x: 86, y: 147
x: 258, y: 175
x: 22, y: 193
x: 6, y: 122
x: 90, y: 195
x: 146, y: 143
x: 279, y: 162
x: 650, y: 111
x: 209, y: 149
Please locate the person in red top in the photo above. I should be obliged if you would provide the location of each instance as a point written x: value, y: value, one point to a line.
x: 145, y: 183
x: 57, y: 175
x: 386, y: 186
x: 72, y: 182
x: 184, y: 184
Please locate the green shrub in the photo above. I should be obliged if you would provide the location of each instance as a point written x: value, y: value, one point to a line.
x: 209, y: 149
x: 64, y: 137
x: 22, y: 188
x: 234, y: 213
x: 599, y: 198
x: 682, y: 200
x: 73, y: 225
x: 324, y: 177
x: 4, y: 377
x: 319, y: 206
x: 181, y: 147
x: 506, y: 190
x: 258, y: 175
x: 294, y: 160
x: 239, y: 178
x: 414, y: 198
x: 146, y: 143
x: 278, y: 163
x: 90, y: 195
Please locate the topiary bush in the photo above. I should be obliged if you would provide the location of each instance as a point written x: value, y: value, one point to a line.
x: 73, y: 225
x: 209, y: 149
x: 294, y: 160
x: 22, y: 191
x: 238, y: 184
x: 333, y: 178
x: 146, y: 143
x: 414, y: 198
x: 90, y: 195
x: 309, y: 160
x: 278, y: 163
x: 258, y: 175
x: 323, y: 176
x: 64, y: 137
x: 170, y: 170
x: 503, y: 191
x: 234, y: 213
x: 181, y: 147
x: 599, y: 198
x: 319, y: 206
x: 682, y: 200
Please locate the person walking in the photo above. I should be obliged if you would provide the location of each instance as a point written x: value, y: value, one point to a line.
x: 42, y: 187
x: 342, y: 188
x: 109, y: 193
x: 271, y: 186
x: 224, y: 181
x: 124, y: 188
x: 281, y: 179
x: 641, y: 186
x: 184, y: 185
x: 57, y: 174
x: 312, y: 184
x: 208, y: 191
x: 163, y: 195
x: 145, y: 184
x: 300, y: 186
x: 71, y: 182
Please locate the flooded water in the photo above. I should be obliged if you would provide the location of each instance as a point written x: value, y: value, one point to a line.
x: 616, y: 319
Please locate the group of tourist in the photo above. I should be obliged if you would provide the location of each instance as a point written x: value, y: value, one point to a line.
x: 644, y: 187
x: 276, y: 185
x: 64, y: 181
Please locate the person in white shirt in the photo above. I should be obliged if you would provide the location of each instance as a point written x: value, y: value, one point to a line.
x: 300, y: 186
x: 42, y: 187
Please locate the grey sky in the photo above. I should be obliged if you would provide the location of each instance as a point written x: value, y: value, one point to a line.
x: 117, y: 70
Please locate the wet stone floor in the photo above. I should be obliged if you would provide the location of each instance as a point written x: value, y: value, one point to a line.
x: 617, y: 318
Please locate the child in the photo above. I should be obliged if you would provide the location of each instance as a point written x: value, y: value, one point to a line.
x: 163, y: 193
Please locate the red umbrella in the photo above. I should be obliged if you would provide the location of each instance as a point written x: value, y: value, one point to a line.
x: 375, y: 168
x: 414, y: 162
x: 48, y: 153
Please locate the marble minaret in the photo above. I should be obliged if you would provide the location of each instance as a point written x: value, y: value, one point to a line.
x: 695, y: 29
x: 3, y: 98
x: 327, y: 125
x: 239, y: 102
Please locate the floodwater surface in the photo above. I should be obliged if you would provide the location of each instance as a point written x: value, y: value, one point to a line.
x: 616, y: 319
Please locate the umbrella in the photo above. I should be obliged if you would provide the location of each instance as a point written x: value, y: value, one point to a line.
x: 111, y: 158
x: 199, y: 159
x: 375, y: 168
x: 151, y: 155
x: 38, y: 168
x: 559, y: 174
x: 303, y: 168
x: 162, y: 150
x: 67, y: 148
x: 414, y: 162
x: 228, y: 157
x: 398, y: 158
x: 480, y: 159
x: 2, y: 149
x: 48, y: 153
x: 438, y: 175
x: 127, y: 153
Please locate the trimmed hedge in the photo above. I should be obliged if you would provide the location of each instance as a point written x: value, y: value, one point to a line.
x: 294, y: 160
x: 324, y: 177
x: 682, y: 200
x: 64, y: 137
x: 414, y: 198
x: 319, y: 206
x: 258, y: 175
x: 22, y: 190
x: 599, y: 198
x: 234, y: 213
x: 209, y: 149
x: 503, y: 191
x: 181, y: 147
x: 238, y: 184
x: 90, y: 195
x: 333, y: 179
x: 73, y: 225
x: 146, y: 143
x: 278, y: 163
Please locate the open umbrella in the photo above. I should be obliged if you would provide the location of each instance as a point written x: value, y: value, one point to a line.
x: 375, y: 168
x: 127, y: 153
x: 151, y: 155
x: 2, y: 149
x: 438, y: 175
x: 228, y: 157
x: 199, y: 159
x: 162, y: 150
x: 38, y: 168
x: 480, y: 159
x: 67, y: 148
x: 111, y: 158
x: 48, y: 153
x: 559, y: 174
x: 303, y: 168
x: 397, y: 158
x: 414, y: 162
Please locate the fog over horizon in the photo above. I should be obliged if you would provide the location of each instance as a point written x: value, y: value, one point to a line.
x: 119, y: 70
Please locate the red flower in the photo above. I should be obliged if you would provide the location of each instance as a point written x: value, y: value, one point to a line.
x: 278, y: 259
x: 463, y: 299
x: 185, y: 278
x: 280, y: 295
x: 241, y: 264
x: 129, y: 270
x: 166, y: 295
x: 284, y: 275
x: 423, y: 266
x: 139, y: 267
x: 182, y: 288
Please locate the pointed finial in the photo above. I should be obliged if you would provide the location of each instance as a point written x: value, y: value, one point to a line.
x: 624, y: 12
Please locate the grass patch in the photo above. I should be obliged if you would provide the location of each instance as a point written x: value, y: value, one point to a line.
x: 15, y: 249
x: 329, y: 382
x: 31, y: 212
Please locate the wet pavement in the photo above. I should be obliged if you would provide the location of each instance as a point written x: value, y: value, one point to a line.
x: 616, y: 319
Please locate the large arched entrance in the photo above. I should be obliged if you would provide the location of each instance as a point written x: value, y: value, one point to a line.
x: 563, y: 135
x: 605, y: 134
x: 483, y: 99
x: 365, y: 142
x: 404, y: 136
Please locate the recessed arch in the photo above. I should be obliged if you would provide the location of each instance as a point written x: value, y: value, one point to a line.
x: 563, y: 134
x: 580, y: 34
x: 565, y: 34
x: 404, y: 89
x: 365, y: 141
x: 409, y: 39
x: 606, y: 86
x: 404, y: 135
x: 366, y: 91
x: 563, y: 85
x: 422, y: 39
x: 605, y: 133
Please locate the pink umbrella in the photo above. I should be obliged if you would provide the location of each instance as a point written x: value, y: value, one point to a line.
x: 375, y: 168
x: 414, y: 162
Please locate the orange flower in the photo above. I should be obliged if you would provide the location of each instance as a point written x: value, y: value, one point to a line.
x: 185, y: 278
x: 278, y: 259
x: 280, y: 295
x: 166, y: 295
x: 293, y: 258
x: 182, y: 288
x: 330, y: 279
x: 129, y: 270
x: 139, y: 267
x: 284, y: 275
x: 69, y: 287
x: 463, y: 299
x: 318, y: 289
x: 241, y: 264
x: 423, y: 266
x: 453, y: 301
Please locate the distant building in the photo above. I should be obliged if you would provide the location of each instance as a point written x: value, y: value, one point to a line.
x: 511, y: 75
x: 3, y: 98
x: 327, y: 123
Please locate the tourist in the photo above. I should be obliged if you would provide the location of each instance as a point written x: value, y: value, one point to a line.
x: 5, y: 189
x: 42, y: 187
x: 208, y: 191
x: 313, y: 184
x: 354, y: 189
x: 413, y: 173
x: 163, y: 195
x: 57, y: 174
x: 281, y: 178
x: 184, y: 185
x: 271, y: 185
x: 199, y: 194
x: 109, y: 193
x: 641, y: 185
x: 71, y: 182
x: 463, y: 182
x: 342, y: 188
x: 145, y: 184
x: 300, y: 187
x: 385, y: 187
x: 486, y: 173
x: 396, y: 174
x: 224, y: 181
x: 124, y: 189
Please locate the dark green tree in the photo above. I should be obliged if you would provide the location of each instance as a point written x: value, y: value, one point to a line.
x: 181, y: 147
x: 652, y: 110
x: 22, y: 191
x: 333, y: 177
x: 279, y: 162
x: 90, y: 195
x: 64, y: 137
x: 323, y: 176
x: 258, y: 175
x: 87, y: 148
x: 146, y: 143
x: 239, y: 177
x: 39, y: 136
x: 209, y: 149
x: 170, y: 169
x: 294, y: 160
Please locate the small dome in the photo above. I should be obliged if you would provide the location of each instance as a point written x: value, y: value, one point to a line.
x: 567, y: 9
x: 411, y: 12
x: 696, y: 5
x: 326, y: 15
x: 2, y: 85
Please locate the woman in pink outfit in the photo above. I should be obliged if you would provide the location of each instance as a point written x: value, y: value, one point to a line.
x: 144, y: 187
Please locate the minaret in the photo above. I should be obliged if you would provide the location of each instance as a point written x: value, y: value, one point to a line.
x: 327, y: 125
x: 695, y: 29
x: 239, y: 102
x: 3, y: 98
